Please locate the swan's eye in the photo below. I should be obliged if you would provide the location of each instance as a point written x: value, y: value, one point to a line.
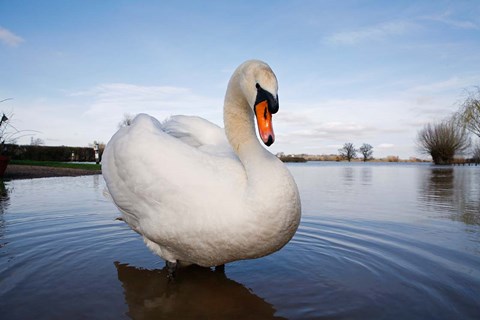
x: 257, y: 85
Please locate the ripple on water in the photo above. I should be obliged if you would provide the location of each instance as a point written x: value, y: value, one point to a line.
x: 380, y: 269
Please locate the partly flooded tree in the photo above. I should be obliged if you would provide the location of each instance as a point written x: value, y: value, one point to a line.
x: 443, y: 140
x: 366, y: 150
x: 348, y: 151
x: 476, y: 152
x: 468, y: 116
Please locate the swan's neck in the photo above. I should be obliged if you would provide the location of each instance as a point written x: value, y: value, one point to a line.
x: 271, y: 193
x: 238, y: 117
x: 240, y: 132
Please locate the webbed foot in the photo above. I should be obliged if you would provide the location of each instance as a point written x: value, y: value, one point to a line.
x: 172, y: 269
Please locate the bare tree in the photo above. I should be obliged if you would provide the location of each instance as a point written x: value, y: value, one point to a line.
x: 36, y: 142
x: 101, y: 145
x: 126, y: 121
x: 366, y: 150
x: 469, y: 114
x: 443, y: 141
x: 348, y: 151
x: 476, y: 152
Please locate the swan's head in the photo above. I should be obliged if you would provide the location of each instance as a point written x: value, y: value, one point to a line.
x: 260, y: 88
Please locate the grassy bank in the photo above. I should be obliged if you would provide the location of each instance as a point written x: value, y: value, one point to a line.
x: 84, y: 166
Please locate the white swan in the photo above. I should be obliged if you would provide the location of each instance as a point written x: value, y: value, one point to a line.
x: 200, y: 194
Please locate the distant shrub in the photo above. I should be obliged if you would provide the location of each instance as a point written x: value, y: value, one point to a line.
x: 292, y: 159
x: 393, y: 158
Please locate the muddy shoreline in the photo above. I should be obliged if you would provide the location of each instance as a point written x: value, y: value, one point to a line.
x: 32, y: 172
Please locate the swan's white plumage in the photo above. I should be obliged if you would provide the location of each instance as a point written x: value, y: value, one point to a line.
x: 199, y: 133
x: 193, y: 197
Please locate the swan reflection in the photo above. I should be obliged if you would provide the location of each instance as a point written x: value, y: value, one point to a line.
x: 196, y: 293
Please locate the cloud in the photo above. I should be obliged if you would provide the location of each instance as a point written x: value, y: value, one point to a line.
x: 372, y: 33
x: 393, y: 28
x: 456, y: 83
x: 9, y: 38
x: 385, y: 146
x: 338, y: 128
x: 107, y: 103
x: 445, y: 18
x: 327, y: 132
x: 124, y: 97
x: 94, y: 114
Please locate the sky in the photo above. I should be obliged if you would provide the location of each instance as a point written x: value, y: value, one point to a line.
x: 349, y: 71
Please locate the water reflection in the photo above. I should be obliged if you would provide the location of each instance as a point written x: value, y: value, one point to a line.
x: 4, y: 197
x: 96, y: 182
x: 389, y: 250
x: 351, y: 174
x: 454, y: 191
x: 348, y: 177
x: 196, y: 293
x: 366, y: 175
x: 4, y: 203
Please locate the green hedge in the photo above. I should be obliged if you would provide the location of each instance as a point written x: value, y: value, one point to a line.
x: 46, y: 153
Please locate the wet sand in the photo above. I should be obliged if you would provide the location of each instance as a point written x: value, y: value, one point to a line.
x: 31, y: 172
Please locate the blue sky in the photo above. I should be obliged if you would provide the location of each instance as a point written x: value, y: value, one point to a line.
x: 349, y: 71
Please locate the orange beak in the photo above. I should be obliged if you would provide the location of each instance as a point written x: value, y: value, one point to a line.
x: 264, y: 122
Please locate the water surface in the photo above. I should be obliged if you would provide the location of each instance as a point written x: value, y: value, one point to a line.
x: 380, y: 241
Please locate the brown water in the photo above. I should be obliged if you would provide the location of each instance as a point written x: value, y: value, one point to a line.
x: 377, y: 241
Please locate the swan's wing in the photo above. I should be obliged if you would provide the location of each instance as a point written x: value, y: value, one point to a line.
x: 199, y: 133
x: 153, y: 175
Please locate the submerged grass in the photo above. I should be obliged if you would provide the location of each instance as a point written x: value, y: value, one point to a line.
x: 85, y: 166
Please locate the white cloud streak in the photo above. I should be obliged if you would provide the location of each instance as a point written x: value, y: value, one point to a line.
x: 372, y: 33
x: 445, y: 19
x: 9, y: 38
x: 456, y: 83
x: 117, y: 98
x: 385, y: 146
x: 107, y: 103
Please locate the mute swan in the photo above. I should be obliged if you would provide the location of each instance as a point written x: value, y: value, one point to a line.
x: 202, y: 195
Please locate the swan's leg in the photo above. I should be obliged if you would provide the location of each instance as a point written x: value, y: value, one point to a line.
x: 171, y: 268
x: 170, y: 259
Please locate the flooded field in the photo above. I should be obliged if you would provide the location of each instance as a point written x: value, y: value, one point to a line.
x: 378, y: 241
